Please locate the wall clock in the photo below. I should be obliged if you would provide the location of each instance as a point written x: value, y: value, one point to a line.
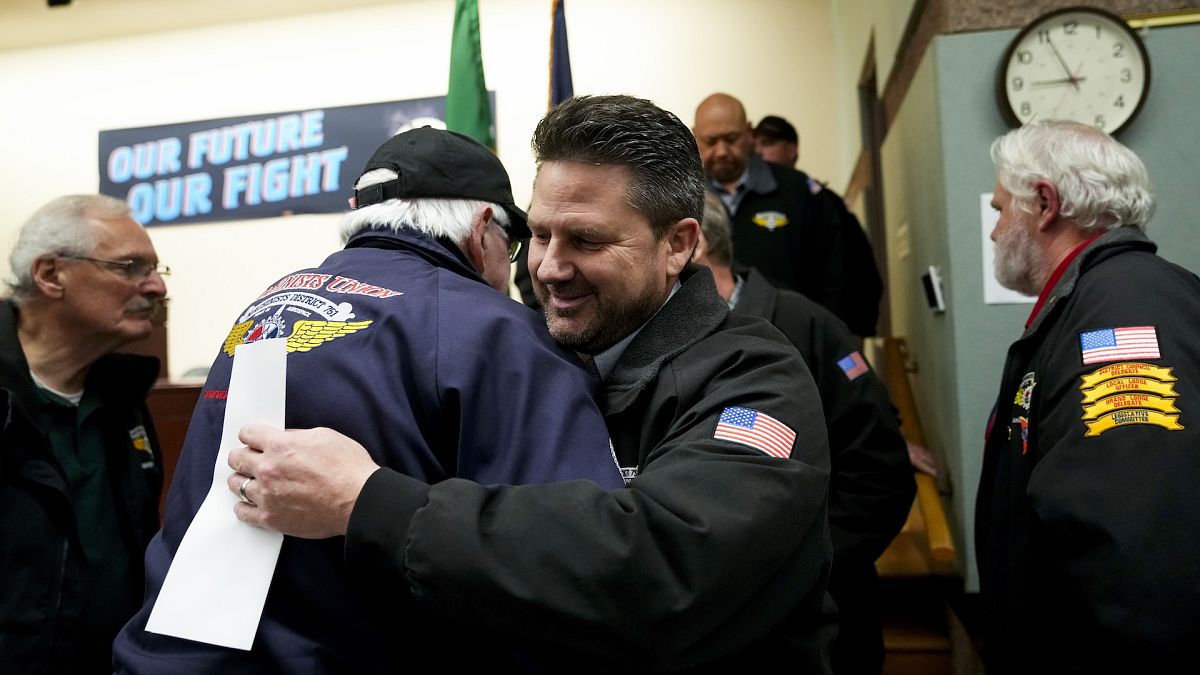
x: 1079, y: 63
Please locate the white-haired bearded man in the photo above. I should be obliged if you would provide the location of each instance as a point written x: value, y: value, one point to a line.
x: 1086, y: 519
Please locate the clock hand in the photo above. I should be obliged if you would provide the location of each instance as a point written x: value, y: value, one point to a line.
x: 1063, y: 62
x: 1051, y: 83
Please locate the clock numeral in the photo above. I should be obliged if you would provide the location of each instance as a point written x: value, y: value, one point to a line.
x: 1018, y: 84
x: 1070, y: 27
x: 1118, y: 49
x: 1026, y: 109
x: 1120, y: 102
x: 1024, y: 56
x: 1100, y: 121
x: 1126, y: 75
x: 1043, y: 35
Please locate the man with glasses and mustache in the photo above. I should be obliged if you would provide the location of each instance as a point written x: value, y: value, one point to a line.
x: 79, y: 467
x: 1086, y: 523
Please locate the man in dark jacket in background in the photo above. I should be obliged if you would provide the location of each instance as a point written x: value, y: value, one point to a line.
x: 794, y: 230
x: 871, y: 486
x: 79, y: 470
x: 1087, y: 525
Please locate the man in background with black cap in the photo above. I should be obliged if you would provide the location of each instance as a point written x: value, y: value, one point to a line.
x: 396, y: 341
x: 799, y: 234
x: 776, y: 140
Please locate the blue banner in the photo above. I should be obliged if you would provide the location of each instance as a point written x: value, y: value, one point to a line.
x: 257, y: 166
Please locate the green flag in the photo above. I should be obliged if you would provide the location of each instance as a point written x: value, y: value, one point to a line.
x: 467, y: 109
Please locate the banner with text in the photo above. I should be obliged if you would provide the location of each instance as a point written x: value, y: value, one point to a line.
x: 256, y: 166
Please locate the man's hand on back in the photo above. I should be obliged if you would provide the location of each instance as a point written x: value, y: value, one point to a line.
x: 304, y: 481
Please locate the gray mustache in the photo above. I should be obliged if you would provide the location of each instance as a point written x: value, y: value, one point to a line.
x: 141, y: 304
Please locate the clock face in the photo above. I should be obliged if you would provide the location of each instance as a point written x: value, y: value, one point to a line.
x: 1076, y: 64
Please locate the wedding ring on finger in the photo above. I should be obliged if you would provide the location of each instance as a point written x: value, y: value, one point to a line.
x: 242, y: 491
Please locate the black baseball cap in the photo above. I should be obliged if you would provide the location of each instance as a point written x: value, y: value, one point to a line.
x: 437, y: 163
x: 777, y: 128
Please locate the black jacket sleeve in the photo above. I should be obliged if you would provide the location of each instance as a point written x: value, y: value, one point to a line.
x: 872, y: 486
x: 1112, y: 497
x: 710, y: 548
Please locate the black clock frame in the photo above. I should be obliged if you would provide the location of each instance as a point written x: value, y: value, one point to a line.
x: 1006, y: 109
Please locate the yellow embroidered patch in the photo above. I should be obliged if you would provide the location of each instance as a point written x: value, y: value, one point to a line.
x: 770, y: 219
x: 1128, y: 384
x: 1127, y: 369
x: 1123, y: 417
x: 1121, y: 394
x: 1136, y: 400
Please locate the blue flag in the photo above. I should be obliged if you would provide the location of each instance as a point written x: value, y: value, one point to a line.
x: 561, y: 87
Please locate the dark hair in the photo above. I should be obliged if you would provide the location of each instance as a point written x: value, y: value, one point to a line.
x: 660, y: 151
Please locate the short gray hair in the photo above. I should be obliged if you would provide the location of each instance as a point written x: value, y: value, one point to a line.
x: 718, y: 238
x: 1101, y: 184
x: 61, y: 227
x: 437, y: 217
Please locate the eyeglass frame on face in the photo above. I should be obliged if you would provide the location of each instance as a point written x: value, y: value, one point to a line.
x: 514, y: 245
x: 135, y: 269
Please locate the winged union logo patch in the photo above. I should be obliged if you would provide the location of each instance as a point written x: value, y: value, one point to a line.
x: 305, y: 334
x: 314, y: 321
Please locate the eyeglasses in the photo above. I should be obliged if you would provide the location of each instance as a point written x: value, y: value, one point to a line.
x: 134, y: 269
x: 514, y: 245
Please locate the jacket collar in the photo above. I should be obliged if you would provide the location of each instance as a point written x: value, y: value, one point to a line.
x: 440, y: 252
x: 691, y: 315
x: 1113, y: 242
x: 758, y: 295
x: 121, y: 377
x: 14, y: 369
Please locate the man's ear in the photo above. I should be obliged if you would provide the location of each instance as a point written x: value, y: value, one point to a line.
x: 476, y: 244
x: 1047, y: 203
x: 681, y: 241
x: 47, y: 276
x: 701, y: 247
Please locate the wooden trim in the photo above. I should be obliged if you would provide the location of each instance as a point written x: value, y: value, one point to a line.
x: 858, y: 178
x: 1159, y: 19
x: 924, y: 23
x: 925, y: 545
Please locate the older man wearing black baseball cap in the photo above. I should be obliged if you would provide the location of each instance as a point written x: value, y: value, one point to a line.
x: 398, y: 342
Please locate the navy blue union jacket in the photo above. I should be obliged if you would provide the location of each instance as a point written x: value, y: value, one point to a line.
x: 396, y: 342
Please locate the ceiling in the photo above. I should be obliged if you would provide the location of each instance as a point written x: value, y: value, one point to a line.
x: 26, y: 24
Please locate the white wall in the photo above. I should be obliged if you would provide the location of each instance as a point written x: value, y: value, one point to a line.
x: 776, y: 55
x: 856, y: 24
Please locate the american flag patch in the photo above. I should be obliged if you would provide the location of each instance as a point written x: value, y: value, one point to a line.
x: 1114, y: 344
x: 757, y: 430
x: 853, y: 365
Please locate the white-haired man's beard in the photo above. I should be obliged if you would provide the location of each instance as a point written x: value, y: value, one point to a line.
x: 1020, y: 264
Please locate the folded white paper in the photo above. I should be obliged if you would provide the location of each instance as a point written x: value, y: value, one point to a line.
x: 217, y: 585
